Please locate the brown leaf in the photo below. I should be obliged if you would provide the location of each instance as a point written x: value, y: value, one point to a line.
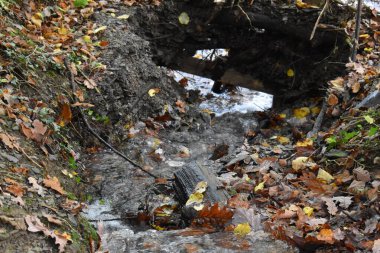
x: 14, y: 188
x: 54, y: 184
x: 65, y: 115
x: 18, y: 223
x: 376, y: 246
x: 61, y: 239
x: 36, y: 187
x: 362, y: 174
x: 90, y: 84
x: 35, y: 225
x: 355, y: 87
x: 73, y: 206
x: 181, y: 105
x: 20, y: 170
x: 52, y: 219
x: 79, y: 94
x: 331, y: 207
x: 332, y: 100
x: 84, y: 105
x: 9, y: 141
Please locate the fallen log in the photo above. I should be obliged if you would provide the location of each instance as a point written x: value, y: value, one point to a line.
x: 185, y: 180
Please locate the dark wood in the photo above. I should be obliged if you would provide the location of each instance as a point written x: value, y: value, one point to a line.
x: 189, y: 176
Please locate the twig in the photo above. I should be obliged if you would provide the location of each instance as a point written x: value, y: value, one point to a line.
x: 31, y: 159
x: 357, y: 29
x: 318, y: 121
x: 319, y: 19
x: 92, y: 131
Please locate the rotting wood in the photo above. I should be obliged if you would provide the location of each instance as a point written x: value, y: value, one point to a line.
x: 185, y: 180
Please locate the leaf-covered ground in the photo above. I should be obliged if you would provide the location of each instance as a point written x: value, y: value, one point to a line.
x: 311, y: 191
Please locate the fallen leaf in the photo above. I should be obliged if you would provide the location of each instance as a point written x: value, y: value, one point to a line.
x: 315, y: 222
x: 362, y: 174
x: 308, y: 210
x: 259, y: 187
x: 326, y: 235
x: 331, y: 207
x: 125, y: 16
x: 36, y: 187
x: 301, y: 112
x: 283, y: 140
x: 290, y: 73
x: 153, y: 92
x: 303, y: 5
x: 83, y: 105
x: 14, y: 188
x: 65, y: 115
x: 195, y: 198
x: 61, y: 239
x: 302, y: 162
x: 324, y: 176
x: 305, y: 143
x: 9, y: 141
x: 355, y: 87
x: 52, y: 219
x: 90, y: 84
x: 102, y: 28
x: 337, y: 84
x: 332, y: 100
x: 37, y: 19
x: 376, y: 246
x: 17, y: 223
x: 242, y: 230
x: 200, y: 187
x: 54, y: 184
x: 343, y: 202
x: 184, y: 18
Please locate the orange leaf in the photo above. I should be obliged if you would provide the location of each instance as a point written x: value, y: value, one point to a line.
x: 332, y: 100
x: 326, y: 235
x: 65, y: 115
x: 54, y: 184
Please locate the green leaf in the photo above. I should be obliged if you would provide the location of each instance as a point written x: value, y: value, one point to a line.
x: 348, y: 136
x: 80, y: 3
x: 372, y: 131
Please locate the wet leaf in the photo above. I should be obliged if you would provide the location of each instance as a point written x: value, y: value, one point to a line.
x: 184, y: 18
x: 242, y: 230
x: 290, y: 73
x: 54, y: 184
x: 200, y: 187
x: 153, y: 92
x: 195, y: 198
x: 301, y: 112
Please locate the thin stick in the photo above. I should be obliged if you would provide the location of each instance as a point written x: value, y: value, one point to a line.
x: 92, y: 131
x: 357, y: 29
x: 318, y: 121
x: 319, y: 19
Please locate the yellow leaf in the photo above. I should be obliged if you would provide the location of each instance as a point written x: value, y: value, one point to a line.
x: 305, y: 143
x: 324, y: 176
x: 369, y: 119
x: 283, y: 139
x: 259, y: 186
x: 37, y: 19
x: 301, y: 112
x: 308, y: 210
x: 364, y: 36
x: 63, y: 31
x: 87, y: 39
x: 201, y: 187
x: 198, y: 56
x: 184, y: 18
x: 302, y: 162
x: 125, y: 16
x: 156, y: 227
x: 315, y: 110
x: 290, y: 73
x: 102, y: 28
x: 242, y: 229
x: 303, y: 5
x: 153, y: 92
x: 282, y: 115
x: 196, y: 198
